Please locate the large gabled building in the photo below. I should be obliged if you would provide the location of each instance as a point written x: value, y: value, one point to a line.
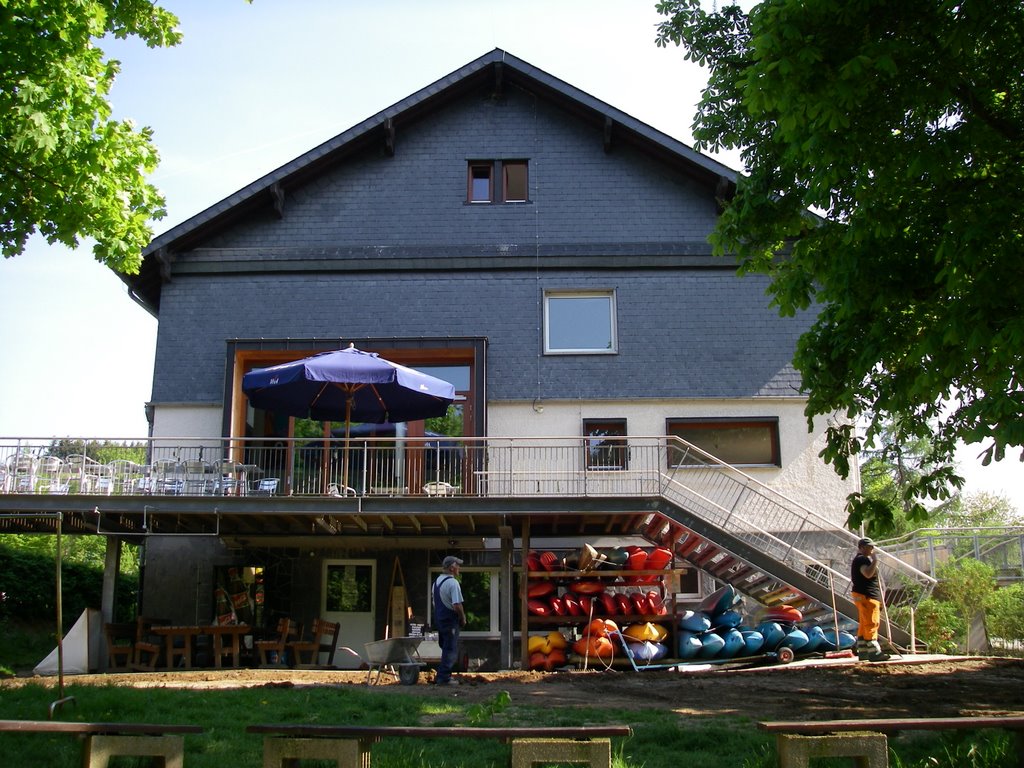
x: 548, y: 255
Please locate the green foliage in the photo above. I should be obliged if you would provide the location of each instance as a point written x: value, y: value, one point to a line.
x: 968, y: 749
x: 28, y: 585
x: 88, y: 551
x: 450, y: 424
x: 483, y: 714
x: 902, y: 125
x: 939, y: 625
x: 69, y: 169
x: 966, y: 584
x: 980, y: 510
x: 1004, y: 613
x: 885, y: 506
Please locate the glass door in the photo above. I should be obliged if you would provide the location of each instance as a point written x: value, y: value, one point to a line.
x: 348, y: 596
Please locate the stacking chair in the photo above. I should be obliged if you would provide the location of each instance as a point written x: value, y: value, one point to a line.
x: 195, y: 477
x: 147, y: 647
x: 439, y: 488
x: 51, y: 470
x: 266, y: 487
x: 322, y: 639
x: 126, y: 475
x: 272, y: 650
x: 23, y: 470
x: 120, y: 639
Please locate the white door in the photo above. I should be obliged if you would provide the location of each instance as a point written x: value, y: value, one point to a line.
x: 349, y: 597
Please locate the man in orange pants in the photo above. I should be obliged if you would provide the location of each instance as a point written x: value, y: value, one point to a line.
x: 867, y: 596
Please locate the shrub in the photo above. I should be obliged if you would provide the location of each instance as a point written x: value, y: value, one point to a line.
x: 1004, y: 613
x: 28, y: 588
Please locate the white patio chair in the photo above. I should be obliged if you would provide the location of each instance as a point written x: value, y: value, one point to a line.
x: 50, y: 473
x: 126, y: 475
x: 195, y: 477
x: 439, y: 488
x: 266, y: 487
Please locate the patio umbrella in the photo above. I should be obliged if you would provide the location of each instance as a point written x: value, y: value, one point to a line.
x: 348, y: 385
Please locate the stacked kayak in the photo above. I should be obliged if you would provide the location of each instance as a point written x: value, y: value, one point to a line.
x: 717, y: 630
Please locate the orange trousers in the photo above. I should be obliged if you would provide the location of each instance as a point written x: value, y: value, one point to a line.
x: 869, y: 616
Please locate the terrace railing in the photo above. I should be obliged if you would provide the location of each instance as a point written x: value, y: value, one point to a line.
x: 668, y: 467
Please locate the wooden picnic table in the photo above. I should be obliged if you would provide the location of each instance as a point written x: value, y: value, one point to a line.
x: 185, y: 634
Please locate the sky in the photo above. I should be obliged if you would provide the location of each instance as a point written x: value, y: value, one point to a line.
x: 251, y: 87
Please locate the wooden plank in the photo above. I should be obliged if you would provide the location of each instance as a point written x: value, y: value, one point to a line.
x: 434, y: 732
x: 893, y: 725
x: 54, y: 726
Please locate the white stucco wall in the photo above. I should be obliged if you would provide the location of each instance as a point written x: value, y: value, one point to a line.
x: 191, y: 421
x: 803, y: 476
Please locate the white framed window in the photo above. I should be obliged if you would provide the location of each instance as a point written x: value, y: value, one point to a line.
x: 480, y: 596
x: 580, y: 322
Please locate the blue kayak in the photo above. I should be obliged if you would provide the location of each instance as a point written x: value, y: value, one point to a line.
x: 734, y: 644
x: 753, y: 641
x: 689, y: 645
x: 694, y: 621
x: 711, y: 645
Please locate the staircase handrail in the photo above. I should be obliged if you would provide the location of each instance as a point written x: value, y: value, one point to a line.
x: 802, y: 517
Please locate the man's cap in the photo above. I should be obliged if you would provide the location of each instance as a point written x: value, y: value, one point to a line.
x: 450, y: 561
x: 865, y: 542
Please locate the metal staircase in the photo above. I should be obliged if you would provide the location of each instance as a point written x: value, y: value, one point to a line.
x: 770, y: 548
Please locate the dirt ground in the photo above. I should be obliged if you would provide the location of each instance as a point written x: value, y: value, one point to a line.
x: 928, y: 686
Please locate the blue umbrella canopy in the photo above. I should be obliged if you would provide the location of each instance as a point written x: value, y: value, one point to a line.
x: 348, y: 385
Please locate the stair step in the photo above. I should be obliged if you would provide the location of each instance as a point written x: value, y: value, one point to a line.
x: 688, y: 545
x: 705, y: 555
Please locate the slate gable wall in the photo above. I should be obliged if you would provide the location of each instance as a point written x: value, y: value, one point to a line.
x: 682, y: 332
x: 579, y: 193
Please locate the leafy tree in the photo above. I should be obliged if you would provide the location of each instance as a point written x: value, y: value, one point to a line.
x: 67, y: 168
x: 980, y: 510
x: 888, y: 472
x: 902, y: 125
x: 104, y: 451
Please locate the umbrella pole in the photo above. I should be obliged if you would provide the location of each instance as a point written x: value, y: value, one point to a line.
x: 325, y: 462
x: 344, y: 454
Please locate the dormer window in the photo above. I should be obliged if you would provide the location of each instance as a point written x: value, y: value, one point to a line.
x: 481, y: 187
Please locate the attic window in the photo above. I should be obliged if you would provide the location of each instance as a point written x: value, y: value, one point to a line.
x: 481, y: 187
x: 514, y: 175
x: 480, y: 182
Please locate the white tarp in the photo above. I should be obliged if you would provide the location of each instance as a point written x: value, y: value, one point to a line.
x: 81, y: 647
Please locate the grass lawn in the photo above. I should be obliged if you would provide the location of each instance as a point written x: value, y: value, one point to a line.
x: 660, y: 736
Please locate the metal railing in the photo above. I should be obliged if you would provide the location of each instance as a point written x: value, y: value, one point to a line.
x: 445, y: 466
x: 928, y: 549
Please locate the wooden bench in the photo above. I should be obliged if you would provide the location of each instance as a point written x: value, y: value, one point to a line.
x: 866, y: 740
x: 164, y: 743
x: 348, y: 746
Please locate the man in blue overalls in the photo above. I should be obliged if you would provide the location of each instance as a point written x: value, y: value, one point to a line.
x: 449, y: 617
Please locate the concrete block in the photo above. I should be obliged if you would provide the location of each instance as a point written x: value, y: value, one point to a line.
x: 868, y: 750
x: 527, y: 753
x: 167, y: 750
x: 284, y: 752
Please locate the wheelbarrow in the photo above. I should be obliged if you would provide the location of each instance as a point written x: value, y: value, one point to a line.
x: 396, y: 656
